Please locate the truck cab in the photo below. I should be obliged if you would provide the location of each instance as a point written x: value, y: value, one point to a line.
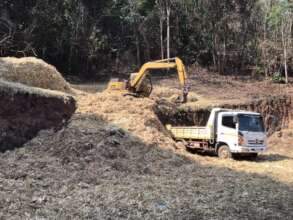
x: 228, y: 132
x: 242, y: 132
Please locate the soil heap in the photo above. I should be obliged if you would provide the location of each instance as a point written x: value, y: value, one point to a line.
x: 27, y: 110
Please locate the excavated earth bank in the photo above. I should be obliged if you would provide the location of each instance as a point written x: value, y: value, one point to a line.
x: 26, y: 110
x: 275, y: 111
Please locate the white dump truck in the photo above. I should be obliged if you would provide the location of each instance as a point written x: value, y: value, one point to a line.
x: 227, y: 133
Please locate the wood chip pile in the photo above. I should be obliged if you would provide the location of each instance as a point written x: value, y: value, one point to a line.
x: 32, y: 72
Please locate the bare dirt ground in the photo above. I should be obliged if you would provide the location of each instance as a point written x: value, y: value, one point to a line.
x: 114, y: 160
x: 214, y: 89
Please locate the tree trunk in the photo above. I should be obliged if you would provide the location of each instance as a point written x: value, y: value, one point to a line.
x: 216, y: 54
x: 137, y: 44
x: 224, y: 57
x: 284, y: 42
x: 168, y: 30
x: 265, y: 50
x: 143, y: 32
x: 162, y: 38
x: 285, y: 63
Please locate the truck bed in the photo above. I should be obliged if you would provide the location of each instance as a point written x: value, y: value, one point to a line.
x: 190, y: 133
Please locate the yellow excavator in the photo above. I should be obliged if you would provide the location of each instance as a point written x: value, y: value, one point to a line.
x: 140, y: 84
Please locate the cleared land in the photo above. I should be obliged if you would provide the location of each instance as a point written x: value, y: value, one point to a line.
x: 114, y: 160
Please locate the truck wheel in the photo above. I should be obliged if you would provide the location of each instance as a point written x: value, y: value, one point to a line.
x: 224, y: 152
x: 253, y: 155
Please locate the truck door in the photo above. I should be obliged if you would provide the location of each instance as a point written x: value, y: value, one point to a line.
x: 227, y: 131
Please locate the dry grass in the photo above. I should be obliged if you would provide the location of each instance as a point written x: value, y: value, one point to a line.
x: 32, y: 72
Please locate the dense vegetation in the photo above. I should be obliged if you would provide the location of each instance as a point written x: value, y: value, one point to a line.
x: 90, y: 37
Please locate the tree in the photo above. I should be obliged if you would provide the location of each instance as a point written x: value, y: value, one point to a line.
x: 85, y: 37
x: 162, y: 16
x: 168, y: 4
x: 165, y: 7
x: 281, y: 20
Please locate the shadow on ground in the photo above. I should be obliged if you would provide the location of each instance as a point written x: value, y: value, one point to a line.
x: 271, y: 157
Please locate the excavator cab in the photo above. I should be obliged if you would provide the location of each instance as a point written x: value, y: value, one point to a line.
x: 144, y: 89
x: 140, y: 84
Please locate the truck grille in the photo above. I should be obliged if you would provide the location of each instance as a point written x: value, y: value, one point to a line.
x: 255, y: 141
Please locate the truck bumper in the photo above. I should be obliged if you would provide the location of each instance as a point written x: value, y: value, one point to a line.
x: 243, y: 149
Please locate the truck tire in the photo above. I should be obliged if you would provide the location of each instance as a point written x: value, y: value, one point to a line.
x: 224, y: 152
x: 253, y: 155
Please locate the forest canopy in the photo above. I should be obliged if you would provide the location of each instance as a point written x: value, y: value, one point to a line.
x: 91, y: 38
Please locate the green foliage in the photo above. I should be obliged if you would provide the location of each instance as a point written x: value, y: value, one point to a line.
x: 259, y: 71
x: 278, y: 11
x: 86, y: 37
x: 278, y: 78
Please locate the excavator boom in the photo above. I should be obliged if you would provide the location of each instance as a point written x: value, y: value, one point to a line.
x: 161, y: 64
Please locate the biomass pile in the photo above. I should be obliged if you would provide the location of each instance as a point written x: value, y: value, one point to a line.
x: 32, y: 72
x: 134, y: 115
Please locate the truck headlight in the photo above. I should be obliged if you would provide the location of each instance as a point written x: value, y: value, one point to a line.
x: 241, y: 140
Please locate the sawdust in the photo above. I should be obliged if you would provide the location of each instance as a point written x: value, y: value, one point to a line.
x: 32, y: 72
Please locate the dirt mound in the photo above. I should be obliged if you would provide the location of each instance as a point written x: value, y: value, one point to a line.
x: 26, y: 110
x: 99, y: 143
x: 171, y: 94
x: 282, y: 141
x: 135, y: 115
x: 32, y: 72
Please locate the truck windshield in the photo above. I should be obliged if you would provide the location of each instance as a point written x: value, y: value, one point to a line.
x: 251, y: 123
